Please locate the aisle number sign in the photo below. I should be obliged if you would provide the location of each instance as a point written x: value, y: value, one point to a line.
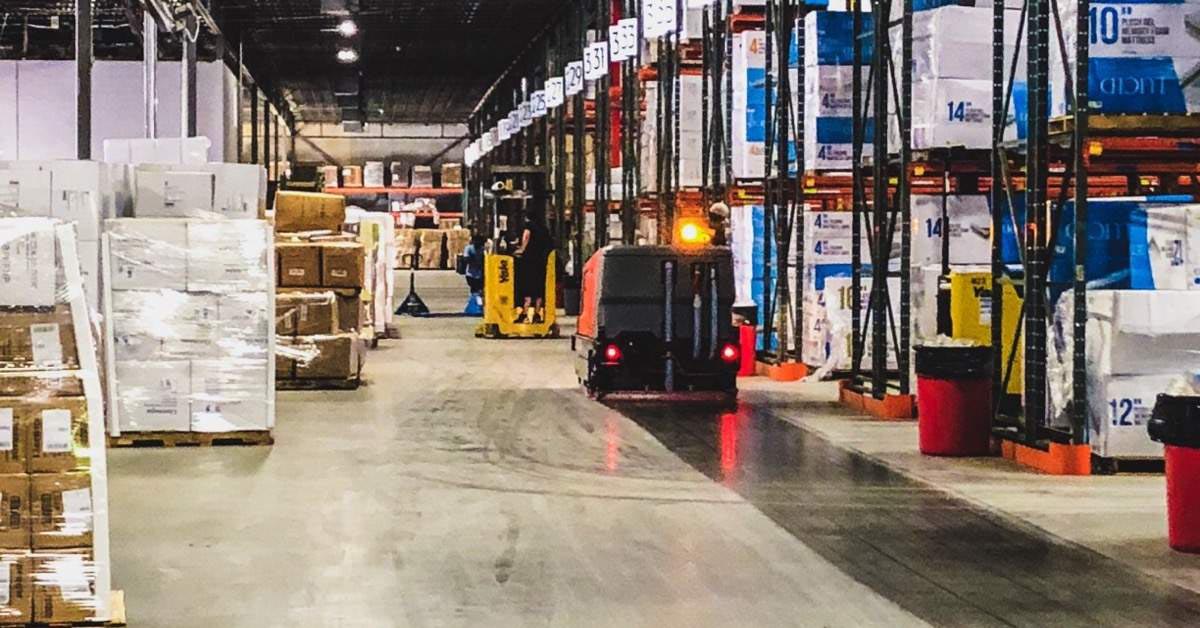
x: 624, y: 39
x: 537, y: 104
x: 554, y: 92
x: 514, y: 122
x: 524, y: 114
x: 505, y: 129
x: 596, y: 61
x: 660, y: 18
x: 574, y: 78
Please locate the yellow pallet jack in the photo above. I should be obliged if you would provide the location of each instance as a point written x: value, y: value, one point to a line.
x: 500, y: 306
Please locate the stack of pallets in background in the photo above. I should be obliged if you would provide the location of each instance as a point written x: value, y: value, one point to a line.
x: 322, y: 320
x: 54, y: 550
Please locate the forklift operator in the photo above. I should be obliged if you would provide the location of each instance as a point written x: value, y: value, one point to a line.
x: 532, y: 254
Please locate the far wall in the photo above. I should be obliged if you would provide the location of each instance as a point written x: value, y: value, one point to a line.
x: 411, y: 144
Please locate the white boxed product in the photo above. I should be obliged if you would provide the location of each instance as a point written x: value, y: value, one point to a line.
x: 749, y: 65
x: 926, y: 283
x: 154, y: 396
x: 240, y: 190
x: 1138, y: 332
x: 84, y: 192
x: 952, y: 112
x: 828, y: 224
x: 229, y: 395
x: 25, y: 189
x: 970, y: 229
x: 167, y: 150
x: 28, y: 263
x: 956, y: 42
x: 244, y: 323
x: 167, y: 315
x: 829, y: 91
x: 1119, y: 408
x: 1135, y: 29
x: 373, y: 174
x: 165, y: 193
x: 1192, y: 255
x: 148, y: 254
x: 838, y: 323
x: 89, y: 269
x: 225, y: 256
x: 136, y: 347
x: 1167, y: 246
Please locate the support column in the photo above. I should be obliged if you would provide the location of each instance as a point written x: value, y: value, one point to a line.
x: 254, y: 124
x: 187, y: 81
x: 83, y: 67
x: 149, y: 76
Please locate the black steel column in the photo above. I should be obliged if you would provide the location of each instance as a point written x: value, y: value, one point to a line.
x: 1079, y: 385
x: 267, y: 156
x: 602, y: 132
x: 801, y: 200
x: 767, y: 313
x: 580, y: 120
x: 905, y: 200
x: 999, y: 206
x: 190, y: 38
x: 859, y: 193
x: 254, y: 124
x: 83, y: 77
x: 880, y: 219
x: 1036, y: 222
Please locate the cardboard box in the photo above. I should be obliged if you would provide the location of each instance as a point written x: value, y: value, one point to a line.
x: 14, y: 512
x: 399, y: 174
x: 89, y: 270
x: 338, y: 358
x: 241, y: 190
x: 299, y: 264
x: 148, y: 254
x: 162, y: 193
x: 28, y: 263
x: 329, y: 176
x: 306, y: 211
x: 61, y: 507
x: 164, y: 315
x: 244, y: 316
x: 153, y: 396
x: 285, y: 363
x: 352, y: 176
x: 1119, y: 408
x: 16, y: 588
x: 227, y: 256
x: 422, y: 177
x: 58, y: 433
x: 373, y: 174
x: 41, y: 339
x: 42, y: 385
x: 64, y: 586
x: 351, y: 314
x: 14, y: 435
x: 342, y: 264
x: 306, y: 314
x: 452, y: 175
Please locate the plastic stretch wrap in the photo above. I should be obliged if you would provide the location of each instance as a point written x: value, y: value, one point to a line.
x: 313, y: 341
x: 54, y: 550
x: 191, y: 325
x: 1139, y: 343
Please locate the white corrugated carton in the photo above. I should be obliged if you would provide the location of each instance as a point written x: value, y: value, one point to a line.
x: 148, y: 254
x: 164, y: 193
x: 25, y: 189
x: 229, y: 395
x: 154, y: 396
x: 970, y: 229
x: 28, y: 263
x: 227, y: 256
x: 1119, y: 408
x: 952, y: 113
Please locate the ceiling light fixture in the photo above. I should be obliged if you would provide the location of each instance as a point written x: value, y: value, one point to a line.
x: 348, y: 28
x: 347, y: 55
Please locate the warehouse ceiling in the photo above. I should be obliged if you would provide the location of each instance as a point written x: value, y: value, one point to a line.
x: 419, y: 60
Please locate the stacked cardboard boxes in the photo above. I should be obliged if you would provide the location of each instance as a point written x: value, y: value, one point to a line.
x: 432, y: 249
x: 828, y: 90
x: 54, y: 562
x: 320, y: 312
x: 189, y: 325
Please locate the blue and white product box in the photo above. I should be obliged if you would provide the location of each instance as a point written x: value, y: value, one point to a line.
x: 829, y: 95
x: 1126, y: 248
x: 952, y: 113
x: 1141, y: 58
x: 741, y: 243
x: 831, y: 325
x: 970, y: 229
x: 749, y: 106
x: 1192, y: 251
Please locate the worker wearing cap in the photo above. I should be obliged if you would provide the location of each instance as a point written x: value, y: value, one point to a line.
x: 718, y: 219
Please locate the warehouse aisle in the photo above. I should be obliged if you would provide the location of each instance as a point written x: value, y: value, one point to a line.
x: 471, y: 484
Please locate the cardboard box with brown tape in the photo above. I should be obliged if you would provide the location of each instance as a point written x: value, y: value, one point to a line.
x: 14, y: 435
x: 306, y: 314
x: 342, y: 264
x: 64, y: 586
x: 61, y: 510
x: 452, y: 175
x: 309, y: 211
x: 41, y: 384
x: 14, y: 512
x: 58, y: 434
x: 16, y: 588
x: 337, y: 357
x: 41, y: 339
x: 351, y: 315
x: 299, y: 264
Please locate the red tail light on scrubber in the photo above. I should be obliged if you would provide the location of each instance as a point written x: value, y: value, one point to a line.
x: 612, y: 354
x: 730, y: 353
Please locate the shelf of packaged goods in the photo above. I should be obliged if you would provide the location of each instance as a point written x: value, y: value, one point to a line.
x: 420, y: 191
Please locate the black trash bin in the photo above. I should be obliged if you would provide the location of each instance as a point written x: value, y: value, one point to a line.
x: 1176, y: 424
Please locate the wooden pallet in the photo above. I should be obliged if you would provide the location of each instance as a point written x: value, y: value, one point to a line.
x: 1114, y: 466
x: 318, y: 384
x: 192, y: 439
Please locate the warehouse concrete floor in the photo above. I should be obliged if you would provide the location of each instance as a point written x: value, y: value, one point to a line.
x: 471, y: 484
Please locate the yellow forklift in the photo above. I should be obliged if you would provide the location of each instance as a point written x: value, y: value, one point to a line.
x: 515, y: 192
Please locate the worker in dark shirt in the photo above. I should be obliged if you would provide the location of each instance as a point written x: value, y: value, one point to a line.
x: 532, y: 254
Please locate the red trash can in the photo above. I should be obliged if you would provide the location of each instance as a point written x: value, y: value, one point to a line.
x: 748, y: 339
x: 954, y: 400
x: 1176, y: 424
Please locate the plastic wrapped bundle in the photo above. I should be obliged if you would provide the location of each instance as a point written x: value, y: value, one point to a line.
x: 54, y: 565
x: 191, y: 325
